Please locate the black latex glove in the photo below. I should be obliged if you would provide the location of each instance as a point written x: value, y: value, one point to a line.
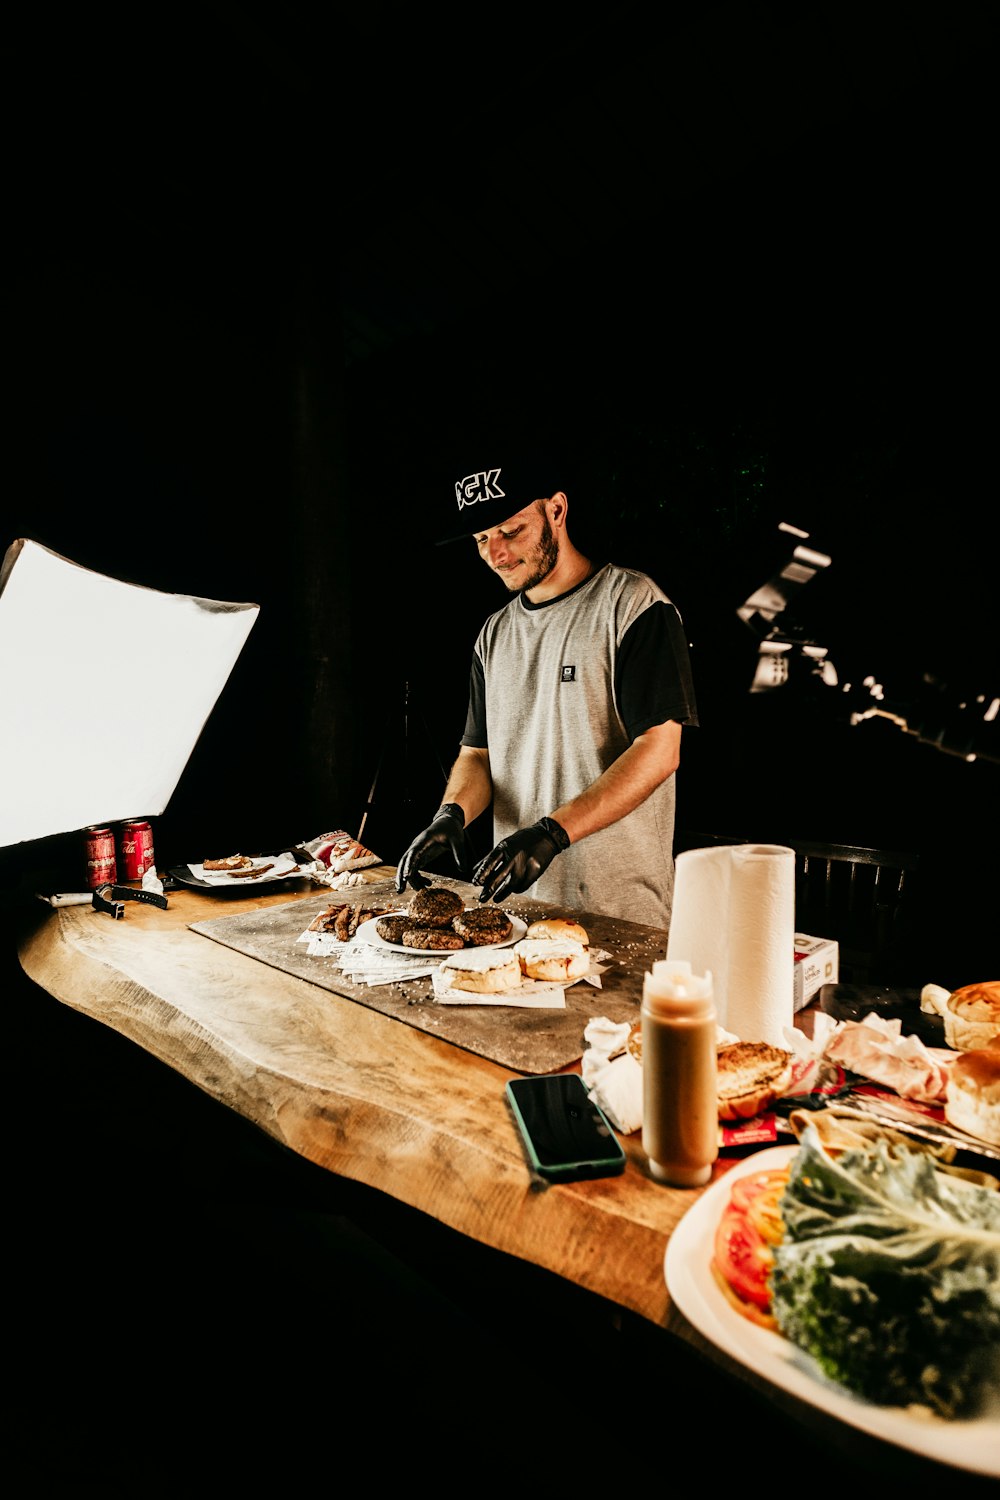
x: 446, y: 832
x: 518, y: 860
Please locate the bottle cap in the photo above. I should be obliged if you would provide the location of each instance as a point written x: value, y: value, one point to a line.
x: 674, y: 990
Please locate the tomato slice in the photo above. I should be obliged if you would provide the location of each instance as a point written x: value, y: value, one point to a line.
x: 745, y: 1189
x: 744, y: 1258
x: 748, y: 1310
x: 764, y: 1213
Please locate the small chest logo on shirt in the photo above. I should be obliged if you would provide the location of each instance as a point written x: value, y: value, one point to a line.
x: 567, y: 674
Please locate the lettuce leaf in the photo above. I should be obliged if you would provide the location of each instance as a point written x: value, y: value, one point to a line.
x: 889, y: 1274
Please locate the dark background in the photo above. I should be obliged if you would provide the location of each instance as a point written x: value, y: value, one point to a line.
x: 267, y: 267
x: 272, y: 267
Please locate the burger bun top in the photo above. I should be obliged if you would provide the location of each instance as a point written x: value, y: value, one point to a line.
x: 972, y: 1015
x: 751, y: 1076
x: 558, y: 929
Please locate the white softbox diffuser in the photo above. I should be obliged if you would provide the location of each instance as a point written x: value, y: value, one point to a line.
x: 106, y: 687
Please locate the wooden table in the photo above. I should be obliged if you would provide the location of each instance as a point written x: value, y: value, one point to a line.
x: 354, y: 1091
x: 379, y: 1103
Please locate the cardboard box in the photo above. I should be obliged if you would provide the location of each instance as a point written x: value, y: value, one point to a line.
x: 817, y: 962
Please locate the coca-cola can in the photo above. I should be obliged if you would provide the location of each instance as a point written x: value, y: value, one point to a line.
x: 99, y: 857
x: 136, y: 848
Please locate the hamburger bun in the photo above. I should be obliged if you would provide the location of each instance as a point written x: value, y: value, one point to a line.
x: 972, y: 1015
x: 545, y: 958
x: 558, y: 929
x: 750, y: 1077
x: 972, y: 1092
x: 483, y: 972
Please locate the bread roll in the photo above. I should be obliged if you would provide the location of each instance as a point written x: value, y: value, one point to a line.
x: 750, y: 1077
x: 544, y: 958
x: 482, y: 971
x: 558, y: 929
x: 972, y: 1015
x: 972, y: 1092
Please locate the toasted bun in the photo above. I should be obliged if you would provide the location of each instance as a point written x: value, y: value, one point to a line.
x: 545, y: 958
x: 751, y: 1076
x: 972, y: 1015
x: 558, y: 928
x: 972, y: 1092
x: 483, y: 972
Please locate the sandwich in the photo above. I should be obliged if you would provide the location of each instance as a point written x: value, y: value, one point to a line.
x: 547, y: 959
x: 751, y: 1077
x: 483, y: 971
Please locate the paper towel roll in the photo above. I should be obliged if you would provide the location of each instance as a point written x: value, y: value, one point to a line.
x: 734, y: 914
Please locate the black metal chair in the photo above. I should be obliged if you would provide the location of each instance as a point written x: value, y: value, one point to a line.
x: 863, y: 898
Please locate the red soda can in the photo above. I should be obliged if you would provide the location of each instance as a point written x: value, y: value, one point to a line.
x: 136, y: 848
x: 99, y: 855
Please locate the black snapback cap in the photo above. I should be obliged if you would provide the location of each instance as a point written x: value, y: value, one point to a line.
x: 487, y: 494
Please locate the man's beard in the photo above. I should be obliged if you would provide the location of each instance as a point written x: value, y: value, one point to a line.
x: 543, y: 559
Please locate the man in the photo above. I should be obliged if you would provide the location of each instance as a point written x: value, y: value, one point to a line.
x: 579, y: 690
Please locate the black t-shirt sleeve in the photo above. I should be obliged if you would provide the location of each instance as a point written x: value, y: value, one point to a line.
x: 653, y: 681
x: 475, y: 719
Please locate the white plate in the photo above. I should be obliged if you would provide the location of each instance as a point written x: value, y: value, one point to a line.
x: 970, y: 1444
x: 367, y: 933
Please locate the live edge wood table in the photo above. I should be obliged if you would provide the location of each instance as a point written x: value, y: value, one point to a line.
x: 353, y: 1090
x: 381, y: 1103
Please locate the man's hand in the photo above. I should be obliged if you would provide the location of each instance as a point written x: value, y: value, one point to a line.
x: 446, y: 832
x: 518, y: 860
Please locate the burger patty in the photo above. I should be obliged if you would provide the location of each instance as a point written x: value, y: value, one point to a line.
x: 431, y: 937
x: 483, y: 925
x: 435, y: 906
x: 391, y: 927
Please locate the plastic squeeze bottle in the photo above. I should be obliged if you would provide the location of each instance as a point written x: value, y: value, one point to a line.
x: 680, y: 1108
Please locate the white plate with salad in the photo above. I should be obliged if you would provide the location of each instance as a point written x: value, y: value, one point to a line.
x: 969, y: 1443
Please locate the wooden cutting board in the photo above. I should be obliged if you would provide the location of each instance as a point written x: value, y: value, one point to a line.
x: 526, y: 1041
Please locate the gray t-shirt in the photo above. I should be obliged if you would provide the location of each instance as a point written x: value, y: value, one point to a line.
x: 558, y: 691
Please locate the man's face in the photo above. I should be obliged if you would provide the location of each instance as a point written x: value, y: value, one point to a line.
x: 523, y: 550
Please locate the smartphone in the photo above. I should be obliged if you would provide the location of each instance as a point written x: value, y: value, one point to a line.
x: 566, y: 1135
